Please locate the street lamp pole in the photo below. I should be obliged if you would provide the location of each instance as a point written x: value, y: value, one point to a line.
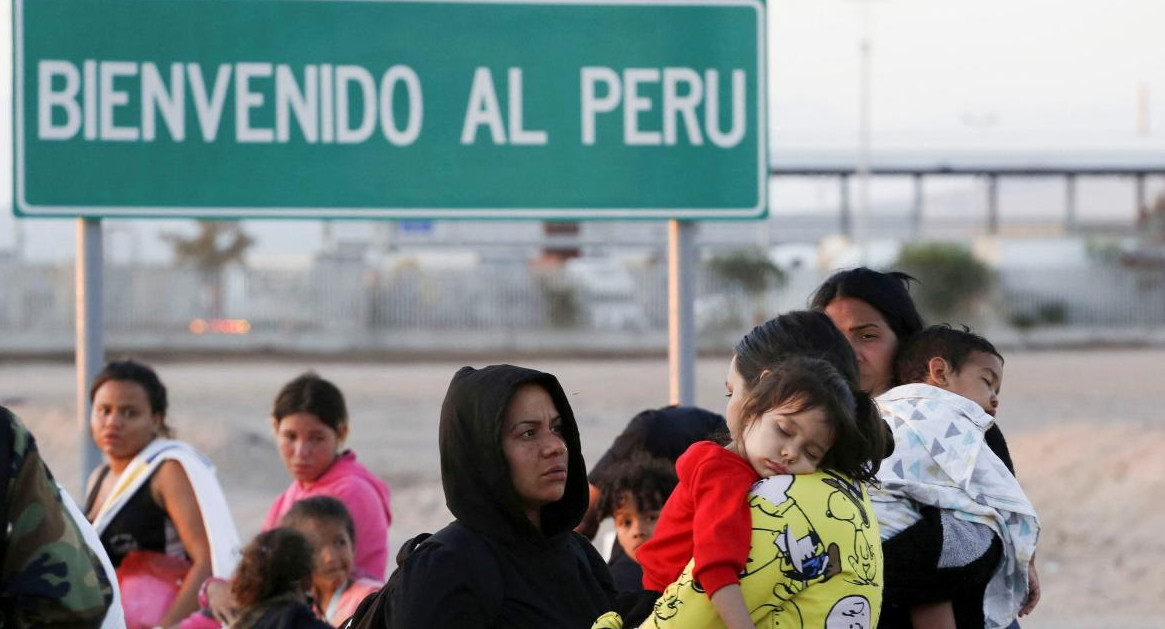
x: 865, y: 109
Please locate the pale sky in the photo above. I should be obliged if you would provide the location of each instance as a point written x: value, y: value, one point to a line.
x: 1036, y: 72
x: 947, y: 74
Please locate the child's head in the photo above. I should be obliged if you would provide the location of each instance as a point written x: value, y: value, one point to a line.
x: 328, y: 527
x: 801, y: 416
x: 959, y: 361
x: 275, y: 562
x: 633, y: 491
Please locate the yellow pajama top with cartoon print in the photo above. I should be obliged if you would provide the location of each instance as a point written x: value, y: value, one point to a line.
x: 815, y: 561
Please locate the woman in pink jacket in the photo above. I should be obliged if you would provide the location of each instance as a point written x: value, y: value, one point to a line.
x: 310, y: 421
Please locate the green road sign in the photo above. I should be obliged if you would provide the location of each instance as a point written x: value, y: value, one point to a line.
x: 572, y: 109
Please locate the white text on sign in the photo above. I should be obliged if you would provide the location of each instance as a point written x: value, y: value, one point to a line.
x: 92, y: 100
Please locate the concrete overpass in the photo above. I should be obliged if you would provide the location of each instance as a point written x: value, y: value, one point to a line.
x: 1136, y: 164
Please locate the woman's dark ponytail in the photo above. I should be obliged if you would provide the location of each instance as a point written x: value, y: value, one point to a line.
x: 860, y: 446
x: 877, y: 430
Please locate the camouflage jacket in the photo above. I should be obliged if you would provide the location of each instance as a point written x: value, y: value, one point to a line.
x: 49, y: 577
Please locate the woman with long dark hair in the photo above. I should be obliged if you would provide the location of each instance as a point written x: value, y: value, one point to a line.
x: 155, y: 500
x: 877, y: 315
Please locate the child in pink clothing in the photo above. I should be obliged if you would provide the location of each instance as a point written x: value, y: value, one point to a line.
x: 271, y: 581
x: 336, y: 590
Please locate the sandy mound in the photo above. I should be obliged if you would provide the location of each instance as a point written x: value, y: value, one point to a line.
x: 1097, y: 489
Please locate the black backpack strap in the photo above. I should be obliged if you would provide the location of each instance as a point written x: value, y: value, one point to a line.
x: 409, y: 547
x: 373, y: 611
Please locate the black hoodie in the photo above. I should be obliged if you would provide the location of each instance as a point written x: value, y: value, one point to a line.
x: 493, y: 567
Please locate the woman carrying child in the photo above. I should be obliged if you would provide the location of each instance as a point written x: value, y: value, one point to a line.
x: 799, y: 547
x: 875, y: 312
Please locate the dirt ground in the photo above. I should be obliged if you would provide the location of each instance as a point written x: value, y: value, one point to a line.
x: 1086, y: 430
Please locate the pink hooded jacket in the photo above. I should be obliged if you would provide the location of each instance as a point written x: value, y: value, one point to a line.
x: 367, y: 500
x: 350, y: 599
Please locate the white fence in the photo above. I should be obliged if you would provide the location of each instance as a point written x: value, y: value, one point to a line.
x: 358, y: 302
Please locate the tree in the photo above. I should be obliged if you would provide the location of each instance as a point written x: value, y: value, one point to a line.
x: 216, y: 246
x: 750, y: 271
x: 1154, y: 227
x: 950, y: 277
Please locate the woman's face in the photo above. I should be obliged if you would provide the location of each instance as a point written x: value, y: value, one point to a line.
x: 334, y: 551
x: 535, y: 449
x: 307, y: 445
x: 122, y: 423
x: 873, y: 341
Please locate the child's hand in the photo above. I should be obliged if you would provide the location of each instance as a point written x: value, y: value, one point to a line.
x: 220, y: 602
x: 1033, y: 590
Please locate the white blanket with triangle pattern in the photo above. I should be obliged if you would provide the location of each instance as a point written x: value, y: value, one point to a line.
x: 941, y: 459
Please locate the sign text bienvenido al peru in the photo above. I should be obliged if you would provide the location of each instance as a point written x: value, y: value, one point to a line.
x: 327, y: 109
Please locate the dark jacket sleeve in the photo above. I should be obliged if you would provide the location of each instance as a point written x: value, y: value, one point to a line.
x: 911, y: 563
x: 994, y: 439
x: 442, y: 587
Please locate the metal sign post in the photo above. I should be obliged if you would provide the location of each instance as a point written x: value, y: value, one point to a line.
x: 681, y: 329
x: 90, y: 323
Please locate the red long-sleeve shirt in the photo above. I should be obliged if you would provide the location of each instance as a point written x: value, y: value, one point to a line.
x: 706, y: 517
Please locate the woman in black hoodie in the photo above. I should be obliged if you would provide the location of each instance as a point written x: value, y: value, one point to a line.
x: 514, y: 477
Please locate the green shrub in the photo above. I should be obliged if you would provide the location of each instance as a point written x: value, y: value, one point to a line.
x: 748, y: 269
x: 950, y: 277
x: 1052, y: 313
x: 1023, y: 320
x: 563, y: 306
